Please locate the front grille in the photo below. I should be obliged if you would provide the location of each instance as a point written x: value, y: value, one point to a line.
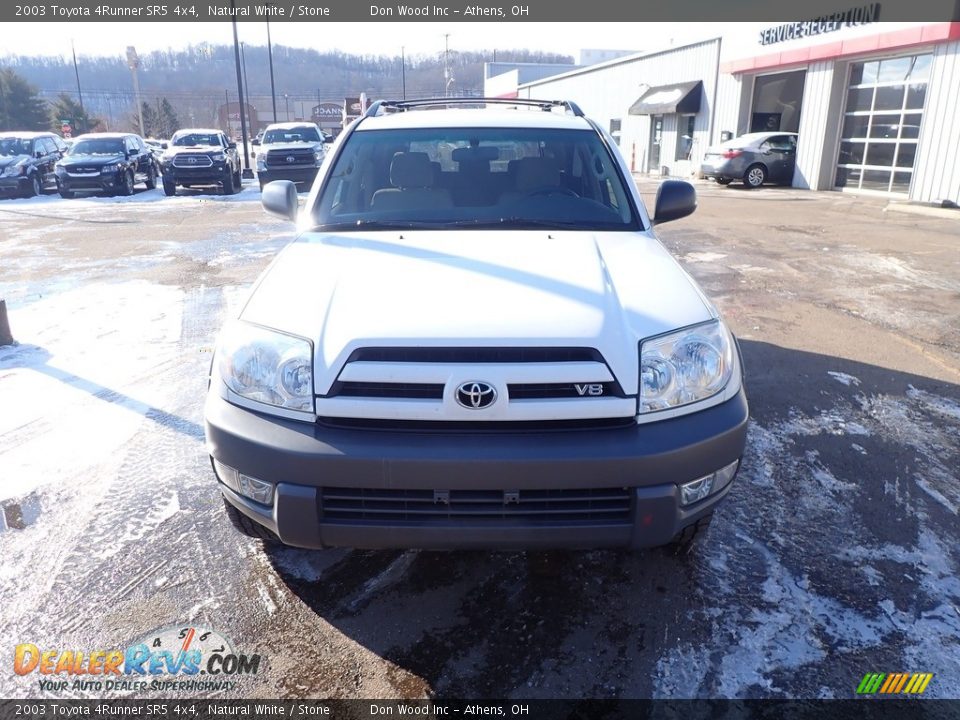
x: 281, y: 158
x: 192, y: 161
x: 546, y: 391
x: 475, y: 427
x: 431, y: 507
x: 418, y: 391
x: 83, y: 171
x: 475, y: 354
x: 434, y: 391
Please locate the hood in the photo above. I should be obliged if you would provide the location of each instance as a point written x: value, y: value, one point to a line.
x: 6, y: 160
x: 291, y: 146
x: 518, y: 288
x: 96, y: 160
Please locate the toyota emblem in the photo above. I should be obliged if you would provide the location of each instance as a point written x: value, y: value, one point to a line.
x: 291, y: 158
x: 476, y: 395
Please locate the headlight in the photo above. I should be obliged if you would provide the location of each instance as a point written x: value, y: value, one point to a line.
x: 110, y: 168
x: 685, y: 367
x: 218, y: 157
x: 318, y: 157
x: 267, y: 366
x: 261, y: 163
x: 14, y: 169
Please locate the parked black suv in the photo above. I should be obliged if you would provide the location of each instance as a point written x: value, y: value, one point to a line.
x: 201, y: 157
x: 27, y: 160
x: 110, y: 163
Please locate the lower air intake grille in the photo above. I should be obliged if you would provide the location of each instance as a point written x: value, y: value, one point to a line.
x: 425, y: 507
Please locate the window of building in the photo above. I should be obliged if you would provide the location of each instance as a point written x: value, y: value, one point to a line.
x: 615, y: 129
x: 881, y: 125
x: 685, y: 125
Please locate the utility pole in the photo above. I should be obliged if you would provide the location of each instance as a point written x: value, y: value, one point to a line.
x: 247, y: 172
x: 446, y: 64
x: 79, y: 92
x: 403, y: 71
x: 134, y: 62
x: 246, y: 87
x: 273, y: 90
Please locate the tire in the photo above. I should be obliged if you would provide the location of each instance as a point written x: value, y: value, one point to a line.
x: 682, y: 541
x: 34, y: 187
x: 237, y: 181
x: 228, y: 188
x: 724, y: 181
x: 262, y: 185
x: 169, y: 188
x: 67, y: 194
x: 151, y: 181
x: 755, y: 176
x: 248, y: 527
x: 127, y: 188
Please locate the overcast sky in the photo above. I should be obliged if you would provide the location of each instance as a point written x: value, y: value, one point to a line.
x: 368, y: 38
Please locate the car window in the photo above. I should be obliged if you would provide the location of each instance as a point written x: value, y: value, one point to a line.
x: 14, y: 146
x: 98, y: 146
x: 291, y: 135
x: 192, y: 139
x: 48, y: 146
x: 476, y: 177
x: 779, y: 143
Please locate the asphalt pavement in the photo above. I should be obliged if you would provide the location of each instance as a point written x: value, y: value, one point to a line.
x: 836, y: 553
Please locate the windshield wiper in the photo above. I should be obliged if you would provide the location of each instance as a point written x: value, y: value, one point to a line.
x: 379, y: 225
x: 518, y: 223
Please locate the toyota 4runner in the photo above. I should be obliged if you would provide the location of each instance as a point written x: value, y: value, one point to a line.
x: 201, y: 157
x: 476, y: 341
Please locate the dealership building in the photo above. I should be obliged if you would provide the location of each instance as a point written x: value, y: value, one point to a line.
x: 876, y: 105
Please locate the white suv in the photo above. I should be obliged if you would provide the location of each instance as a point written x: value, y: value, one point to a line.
x: 477, y: 341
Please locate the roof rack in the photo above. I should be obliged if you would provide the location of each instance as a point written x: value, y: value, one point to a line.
x: 404, y: 105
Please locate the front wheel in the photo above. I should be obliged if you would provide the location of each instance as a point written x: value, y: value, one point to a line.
x: 169, y: 188
x: 248, y: 527
x: 67, y: 194
x: 33, y: 187
x: 238, y: 180
x: 228, y: 188
x: 151, y: 181
x: 126, y: 187
x: 755, y: 176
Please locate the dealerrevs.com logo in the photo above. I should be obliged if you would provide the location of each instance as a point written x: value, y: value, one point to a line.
x: 169, y: 660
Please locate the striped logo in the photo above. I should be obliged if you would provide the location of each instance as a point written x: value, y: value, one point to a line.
x: 894, y: 683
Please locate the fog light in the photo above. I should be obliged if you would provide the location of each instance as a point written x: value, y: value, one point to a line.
x: 257, y: 490
x: 696, y: 490
x: 227, y: 475
x: 724, y: 475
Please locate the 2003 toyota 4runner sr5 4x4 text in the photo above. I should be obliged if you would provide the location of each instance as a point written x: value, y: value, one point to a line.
x: 475, y: 341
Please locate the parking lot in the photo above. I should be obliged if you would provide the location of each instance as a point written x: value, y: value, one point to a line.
x: 836, y: 554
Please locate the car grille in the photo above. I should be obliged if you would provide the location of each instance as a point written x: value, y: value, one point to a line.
x: 418, y: 389
x: 83, y: 171
x: 393, y: 506
x: 192, y: 161
x: 282, y: 158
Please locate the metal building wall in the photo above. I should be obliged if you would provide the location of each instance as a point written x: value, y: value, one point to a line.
x: 936, y: 175
x: 817, y: 116
x: 606, y: 92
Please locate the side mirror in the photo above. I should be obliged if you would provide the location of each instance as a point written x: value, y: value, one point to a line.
x: 232, y: 145
x: 675, y: 199
x: 39, y: 153
x: 280, y: 198
x: 255, y: 142
x: 328, y: 138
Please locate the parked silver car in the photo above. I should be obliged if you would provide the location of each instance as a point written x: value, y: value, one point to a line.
x: 754, y: 159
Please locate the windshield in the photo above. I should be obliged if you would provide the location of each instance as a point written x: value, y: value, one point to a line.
x: 14, y: 146
x: 475, y: 178
x: 291, y: 135
x: 195, y: 139
x: 111, y: 146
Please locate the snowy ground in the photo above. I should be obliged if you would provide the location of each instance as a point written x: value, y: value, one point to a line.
x: 835, y: 555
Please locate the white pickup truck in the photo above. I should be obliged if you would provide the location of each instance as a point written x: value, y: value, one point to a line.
x: 475, y: 341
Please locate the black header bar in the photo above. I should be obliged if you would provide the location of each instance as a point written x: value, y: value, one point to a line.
x: 447, y: 11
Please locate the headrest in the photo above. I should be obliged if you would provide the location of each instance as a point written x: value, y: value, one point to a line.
x: 534, y: 172
x: 411, y: 170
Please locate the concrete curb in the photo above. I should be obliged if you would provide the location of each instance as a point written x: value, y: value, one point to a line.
x: 926, y: 210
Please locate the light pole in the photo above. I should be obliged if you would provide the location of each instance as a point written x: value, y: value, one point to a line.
x: 247, y: 172
x: 246, y: 87
x: 273, y: 90
x: 447, y: 72
x: 403, y: 71
x: 286, y: 100
x: 76, y: 71
x: 134, y: 62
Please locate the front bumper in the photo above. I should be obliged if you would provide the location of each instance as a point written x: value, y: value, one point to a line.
x: 211, y: 175
x: 14, y: 185
x: 301, y: 175
x: 648, y: 460
x: 100, y: 183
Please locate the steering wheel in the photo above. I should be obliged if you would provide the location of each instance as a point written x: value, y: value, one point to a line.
x: 551, y: 190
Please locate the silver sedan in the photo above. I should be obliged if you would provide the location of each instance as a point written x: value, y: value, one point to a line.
x: 754, y: 159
